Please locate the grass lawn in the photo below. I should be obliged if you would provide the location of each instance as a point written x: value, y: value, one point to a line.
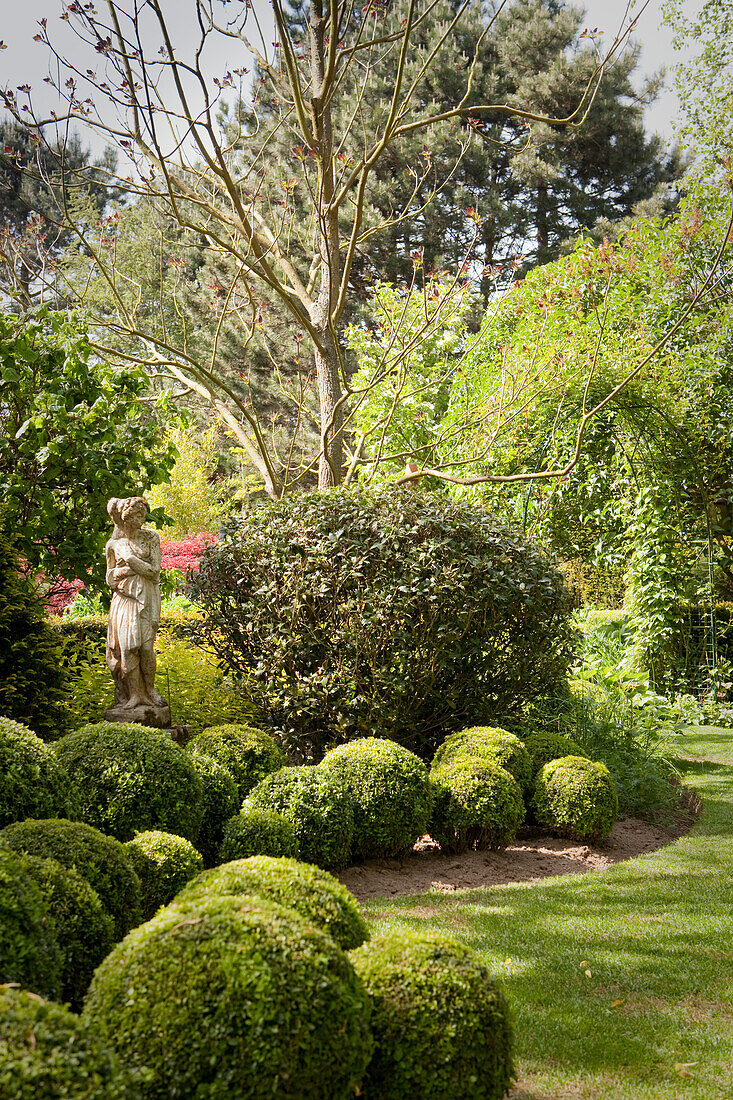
x: 621, y: 983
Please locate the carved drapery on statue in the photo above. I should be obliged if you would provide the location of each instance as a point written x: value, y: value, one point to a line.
x: 133, y: 574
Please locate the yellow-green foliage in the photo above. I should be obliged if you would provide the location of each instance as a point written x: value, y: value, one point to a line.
x: 192, y: 497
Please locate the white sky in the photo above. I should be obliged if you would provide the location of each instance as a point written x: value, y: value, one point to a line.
x: 25, y: 61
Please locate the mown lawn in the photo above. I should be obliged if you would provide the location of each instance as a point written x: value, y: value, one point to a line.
x: 621, y: 983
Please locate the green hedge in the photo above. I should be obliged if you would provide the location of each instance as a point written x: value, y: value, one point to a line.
x: 490, y: 743
x: 476, y: 804
x: 164, y: 864
x: 248, y: 753
x: 32, y: 781
x: 99, y: 859
x: 441, y: 1026
x: 257, y: 832
x: 128, y: 778
x: 544, y: 747
x: 272, y: 1006
x: 576, y: 798
x: 29, y: 951
x: 313, y: 893
x: 220, y: 799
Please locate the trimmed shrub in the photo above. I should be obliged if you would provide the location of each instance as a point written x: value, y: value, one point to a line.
x: 99, y: 859
x: 272, y: 1006
x: 29, y: 951
x: 248, y: 753
x: 544, y: 747
x: 476, y: 804
x: 32, y: 782
x: 498, y: 746
x: 128, y: 778
x: 221, y: 801
x: 320, y: 807
x: 441, y: 1025
x: 164, y: 864
x: 391, y: 791
x: 389, y: 613
x: 314, y: 894
x: 84, y: 930
x: 576, y: 798
x: 47, y: 1053
x: 256, y: 832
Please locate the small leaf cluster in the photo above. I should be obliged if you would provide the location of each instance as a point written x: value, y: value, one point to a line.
x: 476, y: 804
x: 257, y: 832
x: 576, y: 798
x: 164, y: 863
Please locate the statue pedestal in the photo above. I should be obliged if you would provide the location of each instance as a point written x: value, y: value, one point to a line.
x: 146, y: 715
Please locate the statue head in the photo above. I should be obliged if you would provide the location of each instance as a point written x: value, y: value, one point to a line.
x: 127, y: 512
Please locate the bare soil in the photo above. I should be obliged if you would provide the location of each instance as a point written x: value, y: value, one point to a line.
x: 534, y: 856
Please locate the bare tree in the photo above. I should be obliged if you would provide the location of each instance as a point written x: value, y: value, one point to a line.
x: 299, y: 238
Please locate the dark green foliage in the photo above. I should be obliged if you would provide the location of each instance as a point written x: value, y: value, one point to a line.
x: 476, y: 804
x: 32, y: 781
x: 320, y: 807
x: 128, y: 778
x: 441, y: 1026
x: 164, y: 864
x: 544, y: 747
x: 576, y: 798
x: 99, y: 859
x: 492, y: 744
x: 220, y: 800
x: 29, y: 951
x: 47, y: 1053
x: 313, y: 893
x: 391, y: 791
x: 29, y: 649
x: 84, y: 930
x: 271, y: 1005
x: 258, y: 832
x: 248, y: 753
x: 392, y: 613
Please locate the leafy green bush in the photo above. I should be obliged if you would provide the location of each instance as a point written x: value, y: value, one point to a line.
x: 319, y: 806
x: 272, y: 1006
x: 84, y: 930
x: 128, y: 778
x: 441, y: 1026
x: 99, y: 859
x: 29, y: 650
x: 32, y: 781
x: 249, y: 754
x: 47, y: 1053
x: 313, y: 893
x: 544, y: 747
x: 476, y: 804
x: 576, y: 798
x: 164, y: 863
x: 29, y: 951
x: 391, y: 791
x: 492, y: 744
x: 220, y: 801
x: 394, y: 614
x: 257, y: 832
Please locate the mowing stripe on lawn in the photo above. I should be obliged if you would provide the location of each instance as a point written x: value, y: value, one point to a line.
x: 621, y: 983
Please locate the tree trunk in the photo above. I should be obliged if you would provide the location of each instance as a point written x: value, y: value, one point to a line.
x: 331, y: 463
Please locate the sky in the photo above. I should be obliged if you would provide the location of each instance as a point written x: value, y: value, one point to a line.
x: 25, y: 61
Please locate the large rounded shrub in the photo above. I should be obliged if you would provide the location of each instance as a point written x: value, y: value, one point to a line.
x: 546, y: 746
x: 576, y: 798
x: 391, y: 791
x: 128, y: 778
x: 476, y: 804
x: 234, y: 997
x: 393, y: 614
x: 313, y: 893
x: 32, y: 781
x: 440, y: 1024
x: 320, y: 807
x: 498, y: 746
x: 29, y: 952
x: 164, y: 864
x: 84, y: 930
x: 256, y: 832
x: 248, y: 753
x: 220, y: 801
x: 47, y: 1053
x: 99, y: 859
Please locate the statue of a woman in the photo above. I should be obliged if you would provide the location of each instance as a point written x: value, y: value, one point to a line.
x: 133, y: 574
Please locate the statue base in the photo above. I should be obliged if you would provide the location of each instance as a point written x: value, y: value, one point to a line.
x: 147, y: 714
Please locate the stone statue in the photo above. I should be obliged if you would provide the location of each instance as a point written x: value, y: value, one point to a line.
x: 133, y: 574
